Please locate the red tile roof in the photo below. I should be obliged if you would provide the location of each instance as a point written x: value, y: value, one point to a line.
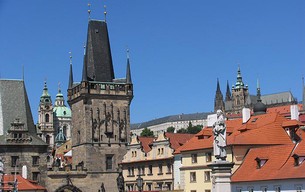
x: 146, y: 142
x: 262, y: 129
x: 178, y: 139
x: 285, y: 110
x: 279, y: 165
x: 23, y: 184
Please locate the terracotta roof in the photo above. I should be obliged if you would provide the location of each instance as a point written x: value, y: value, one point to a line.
x: 23, y: 184
x: 292, y: 123
x: 145, y: 142
x: 178, y: 139
x: 302, y: 118
x: 282, y: 109
x: 262, y: 129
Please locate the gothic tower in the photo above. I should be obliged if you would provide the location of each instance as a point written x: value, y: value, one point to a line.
x: 100, y: 106
x: 45, y: 117
x: 240, y: 94
x: 218, y: 101
x: 228, y: 92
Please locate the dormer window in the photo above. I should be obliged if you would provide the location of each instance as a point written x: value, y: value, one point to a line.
x: 298, y: 160
x: 260, y: 162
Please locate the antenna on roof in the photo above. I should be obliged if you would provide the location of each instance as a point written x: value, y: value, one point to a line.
x: 89, y: 11
x: 105, y: 12
x: 23, y: 72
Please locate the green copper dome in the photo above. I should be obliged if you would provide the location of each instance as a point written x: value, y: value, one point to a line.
x: 60, y: 109
x: 60, y: 137
x: 45, y: 97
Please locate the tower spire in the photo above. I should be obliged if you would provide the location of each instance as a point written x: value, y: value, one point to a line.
x: 258, y: 92
x: 218, y: 101
x: 228, y: 92
x: 128, y: 73
x: 71, y: 73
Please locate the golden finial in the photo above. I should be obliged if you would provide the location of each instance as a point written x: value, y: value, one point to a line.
x: 105, y: 12
x: 89, y: 10
x: 70, y: 53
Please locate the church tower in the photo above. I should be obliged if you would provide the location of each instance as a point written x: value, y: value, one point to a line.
x: 45, y: 117
x: 240, y: 94
x: 218, y: 101
x: 100, y: 106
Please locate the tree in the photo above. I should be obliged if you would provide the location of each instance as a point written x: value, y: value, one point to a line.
x: 170, y: 129
x: 147, y: 133
x: 182, y: 130
x: 194, y: 129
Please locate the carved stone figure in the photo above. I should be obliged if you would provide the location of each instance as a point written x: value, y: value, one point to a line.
x: 120, y: 182
x: 219, y: 130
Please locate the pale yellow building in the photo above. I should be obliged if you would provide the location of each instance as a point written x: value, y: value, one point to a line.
x: 152, y: 159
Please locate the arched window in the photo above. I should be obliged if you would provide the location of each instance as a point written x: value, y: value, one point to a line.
x: 48, y: 139
x: 47, y: 118
x: 65, y: 130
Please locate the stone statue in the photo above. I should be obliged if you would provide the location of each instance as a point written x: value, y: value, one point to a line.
x: 120, y: 182
x: 219, y: 130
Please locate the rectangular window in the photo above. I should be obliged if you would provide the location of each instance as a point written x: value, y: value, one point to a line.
x: 277, y: 188
x: 143, y: 170
x: 150, y: 170
x: 238, y: 189
x: 250, y: 189
x: 192, y: 176
x: 149, y: 186
x: 264, y: 189
x: 132, y: 171
x: 129, y: 171
x: 194, y: 158
x: 207, y: 176
x: 207, y: 190
x: 298, y: 188
x: 139, y: 171
x: 109, y: 162
x: 35, y: 160
x: 193, y: 191
x: 208, y: 157
x: 169, y: 168
x: 14, y: 161
x: 160, y: 169
x: 169, y: 186
x: 35, y: 176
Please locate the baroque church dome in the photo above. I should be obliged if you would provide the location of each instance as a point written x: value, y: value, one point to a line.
x: 60, y: 109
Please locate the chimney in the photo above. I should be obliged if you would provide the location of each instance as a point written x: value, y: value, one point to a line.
x: 294, y: 112
x: 246, y: 114
x: 212, y: 119
x: 24, y: 172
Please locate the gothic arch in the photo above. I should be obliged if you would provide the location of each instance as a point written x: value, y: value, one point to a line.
x: 68, y: 188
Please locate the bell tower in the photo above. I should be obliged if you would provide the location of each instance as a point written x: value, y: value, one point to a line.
x: 100, y: 107
x: 45, y: 117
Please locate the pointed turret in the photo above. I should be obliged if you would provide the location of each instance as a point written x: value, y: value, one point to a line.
x: 218, y: 101
x: 239, y: 82
x: 98, y: 61
x: 70, y: 75
x: 228, y: 92
x: 259, y: 107
x: 128, y: 73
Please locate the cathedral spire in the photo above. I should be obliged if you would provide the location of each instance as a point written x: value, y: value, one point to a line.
x: 239, y: 82
x: 71, y: 73
x: 128, y: 73
x: 218, y: 101
x: 228, y: 92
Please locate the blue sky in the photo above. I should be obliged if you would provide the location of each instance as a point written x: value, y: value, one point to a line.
x: 178, y: 48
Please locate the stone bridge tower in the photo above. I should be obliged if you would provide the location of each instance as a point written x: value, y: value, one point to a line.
x: 100, y: 107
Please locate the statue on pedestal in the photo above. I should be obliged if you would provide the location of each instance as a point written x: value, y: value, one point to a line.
x: 219, y: 131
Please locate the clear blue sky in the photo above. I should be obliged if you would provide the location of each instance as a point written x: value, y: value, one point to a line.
x: 177, y: 48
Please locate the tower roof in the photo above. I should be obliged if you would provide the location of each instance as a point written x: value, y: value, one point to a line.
x: 98, y: 61
x: 239, y: 82
x: 128, y: 73
x: 45, y: 97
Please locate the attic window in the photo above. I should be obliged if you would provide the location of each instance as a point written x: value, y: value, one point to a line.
x: 298, y: 160
x: 96, y: 30
x: 254, y: 120
x: 260, y: 162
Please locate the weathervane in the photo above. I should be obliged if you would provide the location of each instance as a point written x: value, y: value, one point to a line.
x: 105, y: 12
x: 89, y: 10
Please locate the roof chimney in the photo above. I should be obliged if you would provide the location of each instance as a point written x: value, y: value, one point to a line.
x: 246, y: 114
x: 294, y: 112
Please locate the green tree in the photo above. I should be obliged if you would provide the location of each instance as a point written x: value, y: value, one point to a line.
x: 170, y: 129
x: 194, y: 129
x: 147, y: 133
x: 182, y: 130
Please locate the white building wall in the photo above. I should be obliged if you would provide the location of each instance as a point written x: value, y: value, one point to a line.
x: 288, y: 185
x: 177, y: 124
x: 177, y: 177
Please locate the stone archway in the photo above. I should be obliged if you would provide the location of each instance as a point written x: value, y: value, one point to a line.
x: 68, y: 188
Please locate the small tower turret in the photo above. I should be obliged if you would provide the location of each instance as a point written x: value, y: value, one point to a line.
x: 218, y: 101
